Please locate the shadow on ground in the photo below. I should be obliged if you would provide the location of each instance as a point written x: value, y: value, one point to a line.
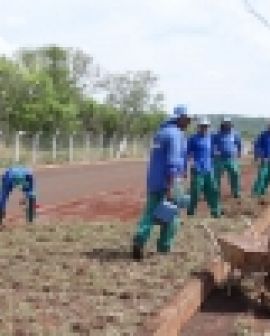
x: 218, y: 301
x: 107, y: 254
x: 220, y: 311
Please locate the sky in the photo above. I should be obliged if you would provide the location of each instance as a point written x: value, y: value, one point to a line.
x: 212, y: 55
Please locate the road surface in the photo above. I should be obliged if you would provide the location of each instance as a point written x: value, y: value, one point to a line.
x: 59, y: 185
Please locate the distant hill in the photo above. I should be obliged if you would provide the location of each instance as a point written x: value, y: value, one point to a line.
x: 249, y: 127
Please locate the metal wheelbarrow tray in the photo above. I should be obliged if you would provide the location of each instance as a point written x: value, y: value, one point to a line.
x: 248, y: 253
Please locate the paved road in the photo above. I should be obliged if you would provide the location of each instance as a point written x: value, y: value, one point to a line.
x: 58, y: 185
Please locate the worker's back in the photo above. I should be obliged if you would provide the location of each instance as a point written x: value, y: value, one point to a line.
x: 168, y: 150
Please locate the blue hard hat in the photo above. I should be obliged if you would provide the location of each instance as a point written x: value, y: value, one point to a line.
x: 178, y: 112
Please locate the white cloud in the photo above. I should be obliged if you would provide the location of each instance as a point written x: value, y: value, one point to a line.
x: 5, y: 47
x: 211, y: 54
x: 14, y: 21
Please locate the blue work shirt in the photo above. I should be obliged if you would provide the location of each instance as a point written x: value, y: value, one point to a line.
x: 200, y: 149
x: 262, y: 145
x: 18, y: 176
x: 168, y: 157
x: 227, y: 145
x: 18, y: 172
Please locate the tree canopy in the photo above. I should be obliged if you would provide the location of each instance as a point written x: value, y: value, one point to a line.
x: 51, y: 87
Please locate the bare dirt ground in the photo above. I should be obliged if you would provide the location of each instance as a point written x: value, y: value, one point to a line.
x: 77, y: 278
x: 71, y: 273
x: 67, y: 183
x: 72, y: 277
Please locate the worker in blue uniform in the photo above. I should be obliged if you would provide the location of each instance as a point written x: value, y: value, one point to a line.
x: 168, y: 163
x: 14, y: 177
x: 200, y: 150
x: 262, y: 156
x: 227, y: 151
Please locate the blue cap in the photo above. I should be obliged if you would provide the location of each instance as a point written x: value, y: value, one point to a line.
x: 178, y: 112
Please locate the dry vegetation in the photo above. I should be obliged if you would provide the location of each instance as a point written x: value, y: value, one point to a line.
x: 77, y: 278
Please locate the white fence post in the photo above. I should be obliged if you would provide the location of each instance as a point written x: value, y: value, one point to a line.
x: 122, y: 147
x: 112, y: 142
x: 147, y: 143
x: 17, y: 145
x: 35, y: 147
x: 101, y: 144
x: 118, y: 154
x: 54, y: 145
x: 87, y: 146
x: 135, y: 147
x: 1, y: 138
x: 71, y: 147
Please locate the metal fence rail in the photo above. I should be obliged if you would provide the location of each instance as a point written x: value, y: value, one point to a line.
x: 24, y: 148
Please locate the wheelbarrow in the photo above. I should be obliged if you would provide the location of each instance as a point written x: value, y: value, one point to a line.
x: 247, y: 254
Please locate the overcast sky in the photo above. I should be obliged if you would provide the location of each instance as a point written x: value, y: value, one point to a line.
x: 210, y: 54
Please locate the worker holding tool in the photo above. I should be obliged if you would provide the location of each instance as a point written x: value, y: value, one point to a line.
x: 262, y: 156
x: 200, y: 150
x: 12, y: 178
x: 168, y: 163
x: 227, y: 151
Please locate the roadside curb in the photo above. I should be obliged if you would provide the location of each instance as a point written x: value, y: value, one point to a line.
x: 170, y: 319
x: 182, y: 305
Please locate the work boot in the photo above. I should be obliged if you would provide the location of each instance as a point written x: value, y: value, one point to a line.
x: 31, y: 210
x: 2, y: 216
x: 190, y: 213
x: 217, y: 214
x: 137, y: 252
x: 163, y: 250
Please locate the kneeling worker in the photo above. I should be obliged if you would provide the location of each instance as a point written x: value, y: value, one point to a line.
x: 12, y: 178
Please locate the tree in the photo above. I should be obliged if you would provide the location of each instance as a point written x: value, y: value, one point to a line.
x: 49, y: 88
x: 132, y: 93
x: 98, y: 118
x: 68, y: 67
x: 12, y: 92
x: 68, y: 71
